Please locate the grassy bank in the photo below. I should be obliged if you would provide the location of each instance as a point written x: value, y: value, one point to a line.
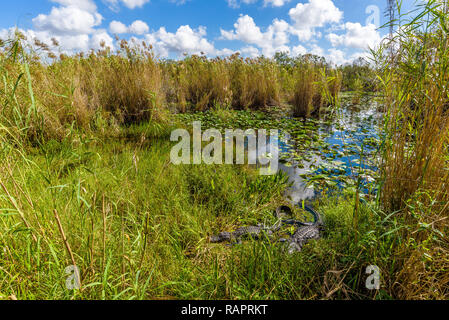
x: 138, y: 227
x: 86, y: 178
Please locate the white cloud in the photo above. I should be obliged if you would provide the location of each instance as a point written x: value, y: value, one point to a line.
x: 68, y: 43
x: 315, y: 13
x: 317, y: 50
x: 304, y: 34
x: 298, y: 50
x: 225, y: 52
x: 245, y: 30
x: 273, y: 40
x: 251, y: 51
x: 138, y: 27
x: 99, y: 37
x: 87, y: 5
x: 130, y: 4
x: 68, y: 20
x: 184, y: 40
x: 336, y: 56
x: 73, y: 23
x: 306, y: 18
x: 275, y: 3
x: 356, y: 36
x: 117, y: 27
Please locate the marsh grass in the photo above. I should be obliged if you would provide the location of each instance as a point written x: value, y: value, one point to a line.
x: 415, y: 168
x: 198, y: 84
x: 315, y: 89
x: 47, y: 95
x: 86, y: 179
x: 138, y: 229
x: 135, y: 228
x: 43, y: 100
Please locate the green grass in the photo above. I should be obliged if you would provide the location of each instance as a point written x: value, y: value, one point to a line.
x: 158, y: 218
x: 138, y: 228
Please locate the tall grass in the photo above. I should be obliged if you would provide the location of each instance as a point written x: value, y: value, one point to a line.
x: 315, y: 88
x: 45, y: 99
x: 199, y: 84
x: 255, y: 82
x: 103, y: 88
x: 127, y: 85
x: 135, y: 226
x: 416, y: 155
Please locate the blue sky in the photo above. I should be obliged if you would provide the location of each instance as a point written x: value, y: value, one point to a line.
x: 337, y: 29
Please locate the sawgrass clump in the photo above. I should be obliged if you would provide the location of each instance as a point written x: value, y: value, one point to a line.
x: 415, y: 175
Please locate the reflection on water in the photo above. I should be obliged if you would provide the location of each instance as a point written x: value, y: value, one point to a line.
x: 347, y: 136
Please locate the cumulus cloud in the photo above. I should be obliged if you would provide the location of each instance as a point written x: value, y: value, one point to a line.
x: 73, y: 23
x: 68, y: 43
x: 117, y: 27
x: 137, y: 27
x: 356, y: 36
x: 184, y: 40
x: 274, y: 39
x: 306, y: 17
x: 298, y: 50
x: 336, y: 56
x: 315, y: 13
x: 251, y: 51
x: 317, y: 50
x: 68, y: 20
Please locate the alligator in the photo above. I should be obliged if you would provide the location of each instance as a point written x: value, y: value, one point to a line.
x: 301, y: 237
x: 304, y: 233
x: 254, y: 232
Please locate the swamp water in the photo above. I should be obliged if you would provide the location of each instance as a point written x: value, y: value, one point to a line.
x: 339, y: 155
x: 319, y: 156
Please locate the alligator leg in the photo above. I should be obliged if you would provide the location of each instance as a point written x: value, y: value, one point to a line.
x: 294, y: 247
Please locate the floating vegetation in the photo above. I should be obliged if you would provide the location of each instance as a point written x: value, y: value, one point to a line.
x: 334, y: 154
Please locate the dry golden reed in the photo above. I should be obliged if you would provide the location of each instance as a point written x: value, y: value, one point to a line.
x: 416, y: 154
